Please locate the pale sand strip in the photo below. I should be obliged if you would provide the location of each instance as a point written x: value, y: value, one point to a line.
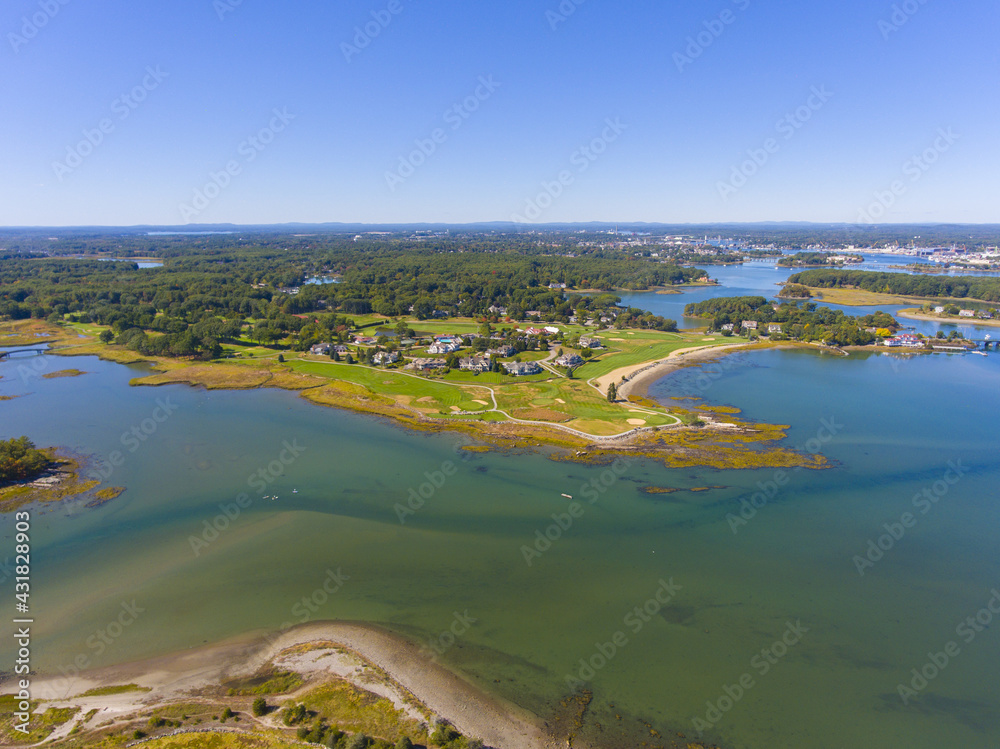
x: 470, y: 709
x: 641, y: 376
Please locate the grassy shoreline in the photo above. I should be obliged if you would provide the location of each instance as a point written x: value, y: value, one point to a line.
x: 549, y: 411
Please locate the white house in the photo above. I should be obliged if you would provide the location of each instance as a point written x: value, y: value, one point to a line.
x: 475, y: 364
x: 569, y: 360
x: 520, y: 369
x: 320, y: 349
x: 443, y: 348
x: 386, y: 357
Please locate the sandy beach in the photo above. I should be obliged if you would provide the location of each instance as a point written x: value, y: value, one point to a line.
x: 639, y: 377
x: 413, y: 672
x: 913, y: 314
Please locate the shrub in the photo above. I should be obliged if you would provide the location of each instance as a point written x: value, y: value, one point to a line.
x: 259, y: 707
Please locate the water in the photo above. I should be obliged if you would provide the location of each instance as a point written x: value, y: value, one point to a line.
x: 765, y: 279
x: 890, y: 426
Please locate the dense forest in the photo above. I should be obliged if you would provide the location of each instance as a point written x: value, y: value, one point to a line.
x: 19, y: 460
x: 209, y: 290
x: 799, y: 321
x: 959, y: 287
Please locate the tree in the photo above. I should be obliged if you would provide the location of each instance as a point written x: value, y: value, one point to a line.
x: 19, y: 460
x: 259, y: 707
x: 107, y: 335
x: 612, y: 393
x: 281, y: 358
x: 404, y: 743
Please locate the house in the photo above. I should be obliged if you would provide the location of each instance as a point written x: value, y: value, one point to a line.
x: 939, y: 310
x: 557, y: 286
x: 498, y: 311
x: 774, y: 327
x: 533, y: 313
x: 966, y: 313
x: 569, y: 360
x: 750, y: 325
x: 727, y: 326
x: 502, y: 351
x: 365, y: 340
x: 341, y: 349
x: 475, y: 364
x: 428, y: 365
x: 443, y: 348
x: 290, y: 290
x: 587, y: 342
x: 386, y: 357
x: 552, y: 329
x: 521, y: 369
x: 320, y: 349
x: 984, y: 315
x: 439, y: 313
x: 535, y: 331
x: 904, y: 340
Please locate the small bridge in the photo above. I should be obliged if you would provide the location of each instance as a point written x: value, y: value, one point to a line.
x: 22, y: 352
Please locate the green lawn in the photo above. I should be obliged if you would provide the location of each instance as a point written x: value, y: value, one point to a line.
x: 637, y: 350
x: 392, y: 383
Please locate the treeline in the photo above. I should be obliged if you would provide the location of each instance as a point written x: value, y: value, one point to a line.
x: 20, y: 460
x: 213, y: 290
x: 960, y: 287
x: 805, y: 322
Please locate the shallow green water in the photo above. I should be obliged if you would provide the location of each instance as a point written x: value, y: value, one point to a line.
x: 898, y: 423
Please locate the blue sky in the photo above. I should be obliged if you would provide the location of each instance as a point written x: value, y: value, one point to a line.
x: 412, y: 110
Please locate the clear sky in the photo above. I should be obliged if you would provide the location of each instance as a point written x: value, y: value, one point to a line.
x: 457, y: 111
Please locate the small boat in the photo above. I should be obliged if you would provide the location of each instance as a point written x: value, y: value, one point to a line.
x: 981, y: 353
x: 568, y: 496
x: 295, y: 491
